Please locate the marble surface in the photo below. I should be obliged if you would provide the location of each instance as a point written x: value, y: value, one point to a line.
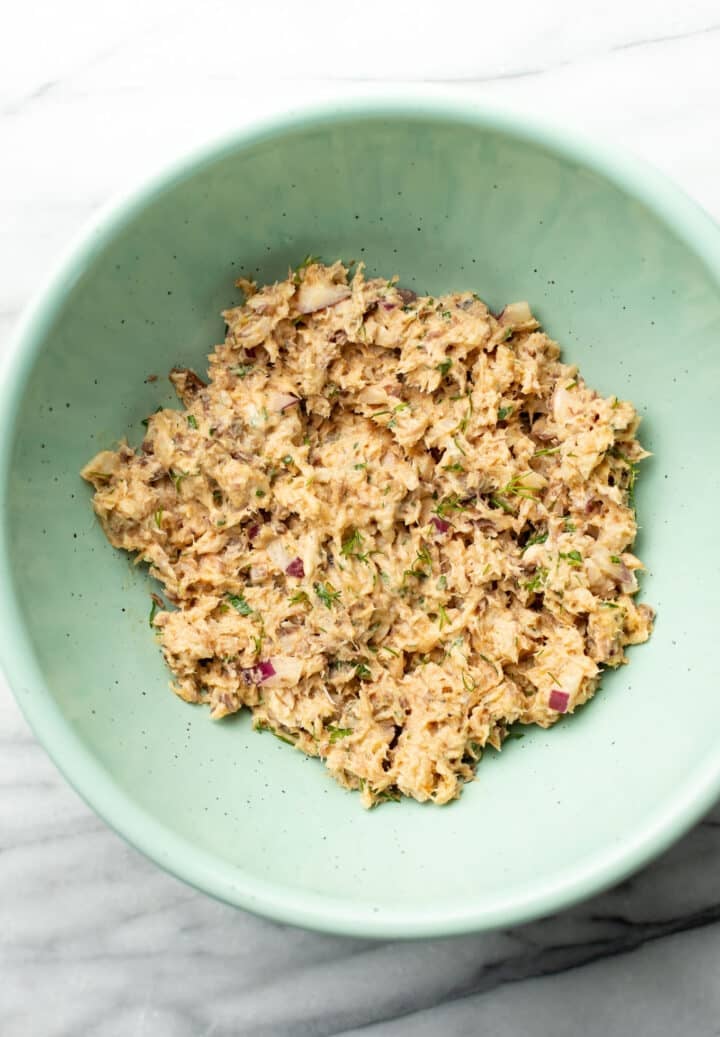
x: 93, y: 938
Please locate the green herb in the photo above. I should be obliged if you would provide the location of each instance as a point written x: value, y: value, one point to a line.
x: 572, y: 384
x: 158, y: 518
x: 153, y: 609
x: 539, y: 538
x: 359, y: 467
x: 546, y: 451
x: 573, y: 557
x: 569, y: 526
x: 444, y: 367
x: 443, y: 618
x: 516, y: 488
x: 258, y: 642
x: 447, y: 314
x: 508, y: 334
x: 442, y: 583
x: 288, y: 460
x: 307, y: 261
x: 500, y: 503
x: 388, y: 796
x: 455, y: 441
x: 609, y: 605
x: 239, y: 603
x: 363, y: 671
x: 448, y: 504
x: 468, y: 683
x: 454, y: 467
x: 243, y: 370
x: 327, y: 594
x: 336, y: 733
x: 192, y: 421
x: 615, y: 560
x: 488, y: 661
x: 259, y: 493
x: 177, y: 478
x: 504, y: 412
x: 221, y: 522
x: 424, y: 556
x: 351, y: 547
x: 390, y: 651
x: 299, y: 598
x: 537, y: 582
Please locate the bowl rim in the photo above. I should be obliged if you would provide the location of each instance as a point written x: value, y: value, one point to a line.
x: 177, y: 855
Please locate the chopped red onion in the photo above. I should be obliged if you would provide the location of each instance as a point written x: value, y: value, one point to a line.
x: 253, y: 532
x: 296, y: 568
x: 559, y: 700
x: 280, y: 401
x: 265, y: 669
x: 440, y: 524
x: 388, y: 305
x: 257, y: 674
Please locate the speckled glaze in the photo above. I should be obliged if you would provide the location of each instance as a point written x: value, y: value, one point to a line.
x: 623, y: 270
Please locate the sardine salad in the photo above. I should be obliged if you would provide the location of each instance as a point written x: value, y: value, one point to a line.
x: 390, y: 525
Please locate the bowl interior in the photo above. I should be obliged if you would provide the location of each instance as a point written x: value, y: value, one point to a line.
x: 447, y: 203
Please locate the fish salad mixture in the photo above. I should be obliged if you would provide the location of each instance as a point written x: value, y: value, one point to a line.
x: 392, y: 526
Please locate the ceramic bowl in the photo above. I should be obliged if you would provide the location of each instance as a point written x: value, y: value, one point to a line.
x: 621, y: 268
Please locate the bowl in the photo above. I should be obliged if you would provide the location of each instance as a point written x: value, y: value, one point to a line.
x: 624, y: 272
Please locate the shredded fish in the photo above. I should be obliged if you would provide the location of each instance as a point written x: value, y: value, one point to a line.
x: 391, y: 526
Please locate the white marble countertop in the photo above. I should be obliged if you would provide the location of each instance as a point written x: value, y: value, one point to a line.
x: 94, y: 940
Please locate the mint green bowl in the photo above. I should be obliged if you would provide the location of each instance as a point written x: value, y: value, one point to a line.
x: 623, y: 270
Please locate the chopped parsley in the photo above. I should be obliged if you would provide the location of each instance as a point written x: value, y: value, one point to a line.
x: 336, y: 733
x: 444, y: 367
x: 153, y: 609
x: 546, y: 451
x: 327, y: 594
x: 539, y: 538
x: 362, y: 670
x: 504, y: 412
x: 288, y: 459
x: 574, y: 558
x: 299, y: 598
x: 615, y: 560
x: 443, y: 618
x: 259, y: 493
x: 454, y: 467
x: 569, y: 526
x: 239, y: 603
x: 537, y: 582
x: 192, y: 421
x: 158, y: 518
x: 243, y: 370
